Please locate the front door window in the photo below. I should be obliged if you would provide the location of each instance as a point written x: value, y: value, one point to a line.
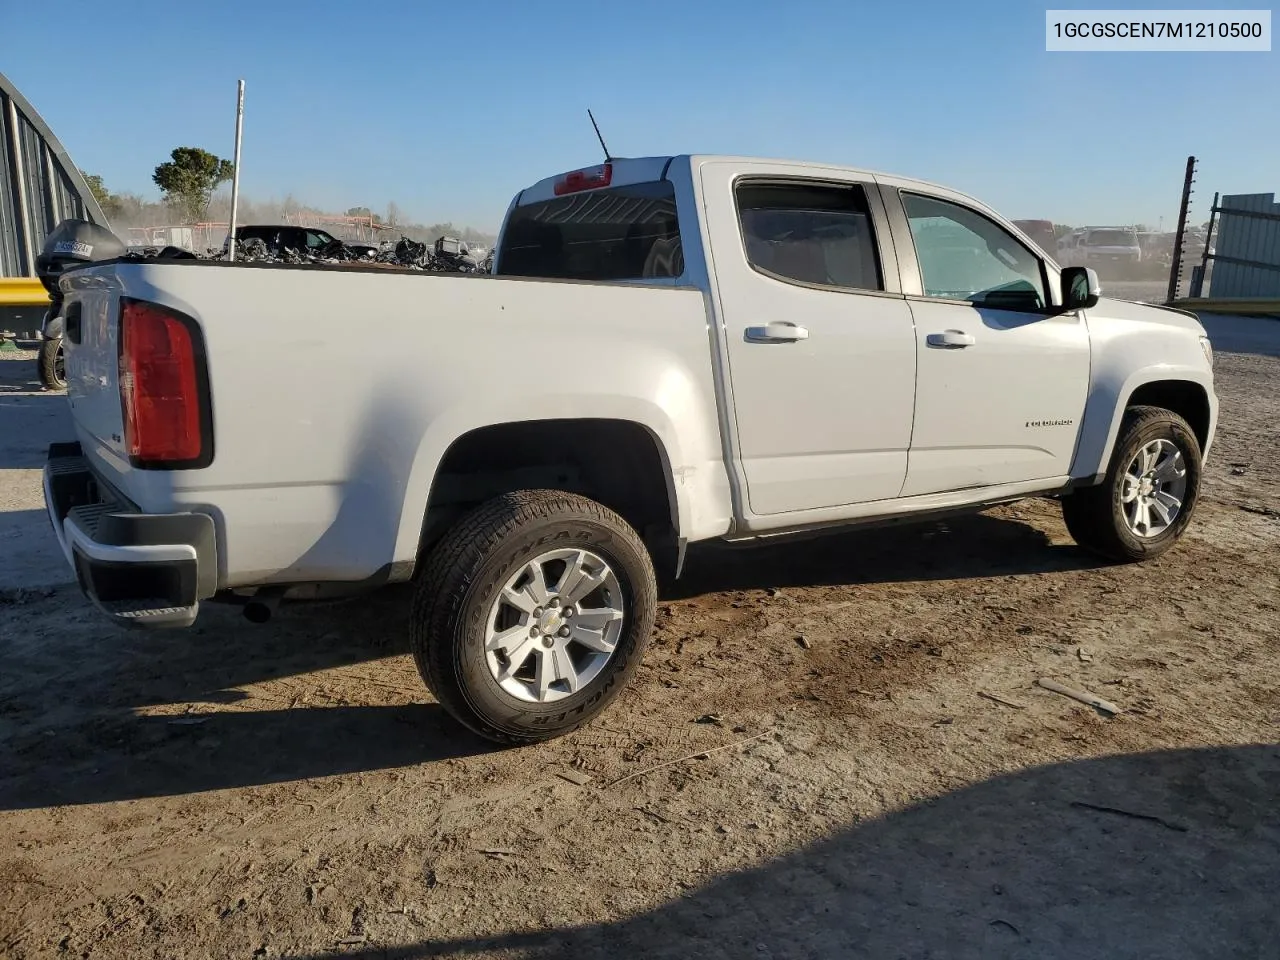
x: 965, y: 256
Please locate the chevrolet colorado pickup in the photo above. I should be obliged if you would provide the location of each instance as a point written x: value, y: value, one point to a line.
x: 670, y: 350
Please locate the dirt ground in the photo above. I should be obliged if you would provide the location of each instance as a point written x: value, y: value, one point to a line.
x: 892, y: 783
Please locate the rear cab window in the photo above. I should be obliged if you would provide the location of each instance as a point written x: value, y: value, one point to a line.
x: 625, y: 231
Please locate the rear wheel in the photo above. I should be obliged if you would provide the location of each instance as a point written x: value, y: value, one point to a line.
x: 532, y: 614
x: 53, y: 371
x: 1150, y: 492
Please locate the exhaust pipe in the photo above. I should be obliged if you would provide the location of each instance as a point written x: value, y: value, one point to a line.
x: 261, y: 610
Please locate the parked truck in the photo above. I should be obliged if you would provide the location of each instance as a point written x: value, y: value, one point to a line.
x: 670, y: 350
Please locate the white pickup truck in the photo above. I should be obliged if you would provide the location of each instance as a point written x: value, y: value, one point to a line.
x: 670, y: 350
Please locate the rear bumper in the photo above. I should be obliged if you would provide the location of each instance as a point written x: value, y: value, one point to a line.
x: 142, y: 570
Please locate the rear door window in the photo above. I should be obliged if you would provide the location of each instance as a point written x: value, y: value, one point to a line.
x: 620, y: 233
x: 810, y: 233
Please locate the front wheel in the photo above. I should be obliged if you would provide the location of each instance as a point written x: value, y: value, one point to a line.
x: 532, y: 614
x: 1151, y: 489
x: 53, y: 371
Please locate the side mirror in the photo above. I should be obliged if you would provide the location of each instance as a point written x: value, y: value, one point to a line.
x: 1080, y: 288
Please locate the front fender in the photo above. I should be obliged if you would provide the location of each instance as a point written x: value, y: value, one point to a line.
x: 1131, y: 345
x: 1105, y: 409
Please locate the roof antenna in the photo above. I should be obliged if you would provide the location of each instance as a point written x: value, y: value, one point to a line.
x: 607, y: 157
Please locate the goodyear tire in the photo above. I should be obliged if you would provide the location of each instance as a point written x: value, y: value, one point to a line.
x: 532, y: 614
x: 1150, y: 492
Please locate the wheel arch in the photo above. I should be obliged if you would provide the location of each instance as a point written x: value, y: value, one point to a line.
x: 1186, y: 398
x: 1187, y: 392
x: 625, y: 464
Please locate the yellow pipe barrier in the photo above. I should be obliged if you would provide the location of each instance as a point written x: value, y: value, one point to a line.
x: 22, y: 292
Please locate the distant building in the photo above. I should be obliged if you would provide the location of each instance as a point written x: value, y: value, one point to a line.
x: 39, y: 185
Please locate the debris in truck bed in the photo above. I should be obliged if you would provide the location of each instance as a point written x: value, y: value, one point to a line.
x: 404, y: 253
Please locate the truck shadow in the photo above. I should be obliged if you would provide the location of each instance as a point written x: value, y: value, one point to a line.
x: 76, y: 698
x: 29, y: 553
x: 144, y: 757
x: 1008, y: 867
x: 30, y: 418
x: 958, y: 548
x: 79, y: 719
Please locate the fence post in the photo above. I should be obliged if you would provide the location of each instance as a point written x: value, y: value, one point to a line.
x: 1208, y: 242
x: 1175, y: 268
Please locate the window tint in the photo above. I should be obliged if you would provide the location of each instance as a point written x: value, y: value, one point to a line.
x: 965, y: 256
x: 813, y: 233
x: 317, y: 239
x: 622, y: 233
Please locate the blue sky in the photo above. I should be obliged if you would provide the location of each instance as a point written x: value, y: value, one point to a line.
x: 448, y: 108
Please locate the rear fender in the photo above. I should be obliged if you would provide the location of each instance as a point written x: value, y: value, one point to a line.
x: 51, y: 326
x: 696, y: 490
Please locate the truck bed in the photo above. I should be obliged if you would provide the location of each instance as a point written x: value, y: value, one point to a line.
x: 334, y: 394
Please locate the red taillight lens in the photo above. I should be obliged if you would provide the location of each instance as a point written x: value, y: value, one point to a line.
x: 592, y: 179
x: 160, y: 387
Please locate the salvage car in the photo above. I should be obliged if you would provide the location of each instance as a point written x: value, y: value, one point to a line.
x: 278, y: 237
x: 670, y: 350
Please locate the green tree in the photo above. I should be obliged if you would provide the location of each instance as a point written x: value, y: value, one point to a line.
x: 108, y: 201
x: 189, y: 178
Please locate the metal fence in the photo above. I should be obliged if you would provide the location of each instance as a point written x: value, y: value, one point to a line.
x: 1245, y: 259
x: 39, y: 185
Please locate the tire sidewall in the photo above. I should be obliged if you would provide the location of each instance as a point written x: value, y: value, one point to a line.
x: 50, y: 350
x: 469, y: 662
x: 1177, y: 432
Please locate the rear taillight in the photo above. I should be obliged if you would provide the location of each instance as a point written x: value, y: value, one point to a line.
x: 163, y: 388
x: 591, y: 179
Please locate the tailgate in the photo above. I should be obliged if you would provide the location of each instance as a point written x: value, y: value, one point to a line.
x: 90, y: 343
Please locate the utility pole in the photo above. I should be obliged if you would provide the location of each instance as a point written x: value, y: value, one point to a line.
x: 235, y: 175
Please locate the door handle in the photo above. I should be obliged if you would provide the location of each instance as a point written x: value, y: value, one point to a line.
x: 950, y: 338
x: 780, y: 331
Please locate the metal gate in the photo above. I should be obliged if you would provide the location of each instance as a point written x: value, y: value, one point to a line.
x: 1245, y: 257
